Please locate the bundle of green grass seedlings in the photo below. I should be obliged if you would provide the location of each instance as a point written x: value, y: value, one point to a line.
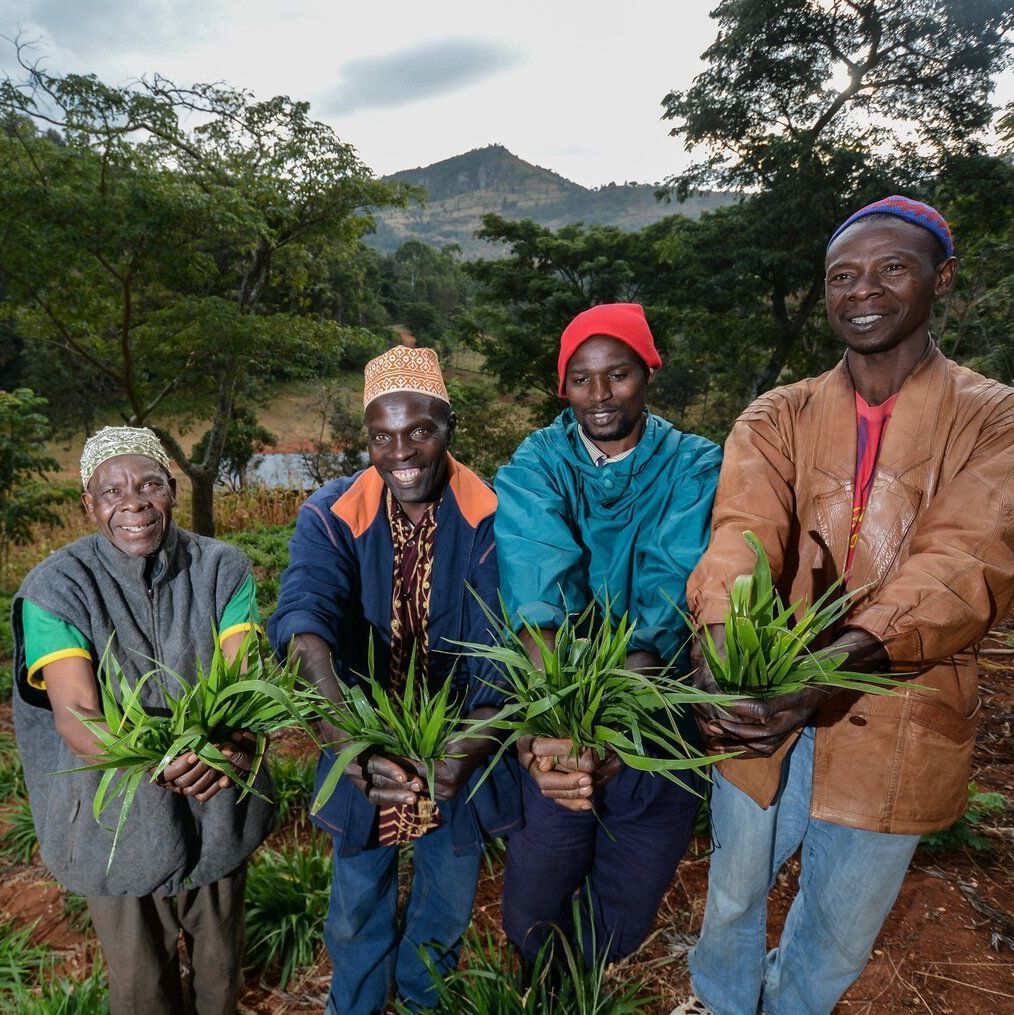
x: 767, y: 652
x: 415, y: 723
x: 582, y: 691
x: 252, y: 692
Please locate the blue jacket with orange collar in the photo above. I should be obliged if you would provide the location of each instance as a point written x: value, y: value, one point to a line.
x: 338, y: 585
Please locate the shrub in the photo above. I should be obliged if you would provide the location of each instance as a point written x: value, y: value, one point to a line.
x: 18, y: 841
x: 293, y: 780
x: 964, y: 833
x: 287, y: 893
x: 12, y: 774
x: 20, y: 961
x: 61, y: 996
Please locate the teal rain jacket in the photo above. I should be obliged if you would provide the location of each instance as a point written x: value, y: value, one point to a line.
x: 567, y: 529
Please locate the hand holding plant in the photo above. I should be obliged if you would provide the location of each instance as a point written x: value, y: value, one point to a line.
x: 251, y: 694
x: 579, y: 702
x: 761, y: 653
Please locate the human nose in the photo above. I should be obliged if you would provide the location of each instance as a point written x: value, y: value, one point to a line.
x: 401, y: 449
x: 866, y: 283
x: 600, y: 389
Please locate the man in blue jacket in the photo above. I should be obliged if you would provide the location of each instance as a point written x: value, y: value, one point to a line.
x: 609, y: 503
x: 390, y: 556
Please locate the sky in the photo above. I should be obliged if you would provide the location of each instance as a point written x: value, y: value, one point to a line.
x: 573, y: 86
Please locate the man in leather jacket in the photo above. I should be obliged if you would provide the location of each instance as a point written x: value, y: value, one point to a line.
x: 895, y: 469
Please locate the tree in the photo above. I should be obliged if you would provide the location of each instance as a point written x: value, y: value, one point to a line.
x: 142, y: 241
x: 813, y: 108
x: 526, y: 299
x: 26, y: 499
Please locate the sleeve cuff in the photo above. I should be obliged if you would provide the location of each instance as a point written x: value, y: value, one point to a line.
x: 539, y: 614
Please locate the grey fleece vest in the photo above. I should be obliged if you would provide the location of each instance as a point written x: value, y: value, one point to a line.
x: 169, y: 842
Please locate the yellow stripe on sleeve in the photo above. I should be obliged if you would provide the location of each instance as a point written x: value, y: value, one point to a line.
x: 36, y: 681
x: 237, y: 629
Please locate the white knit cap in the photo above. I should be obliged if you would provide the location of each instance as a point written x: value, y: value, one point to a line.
x: 111, y: 441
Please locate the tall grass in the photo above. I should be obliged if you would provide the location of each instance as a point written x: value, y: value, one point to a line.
x: 293, y: 781
x: 492, y: 980
x: 12, y: 773
x: 18, y: 841
x: 60, y: 996
x: 580, y: 690
x: 20, y: 960
x: 767, y: 652
x: 287, y: 894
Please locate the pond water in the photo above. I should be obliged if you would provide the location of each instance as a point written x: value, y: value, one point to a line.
x: 284, y: 469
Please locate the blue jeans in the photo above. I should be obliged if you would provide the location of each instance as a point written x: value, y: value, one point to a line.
x: 628, y: 856
x: 848, y: 881
x: 369, y: 949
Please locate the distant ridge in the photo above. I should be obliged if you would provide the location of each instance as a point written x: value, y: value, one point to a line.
x: 492, y: 179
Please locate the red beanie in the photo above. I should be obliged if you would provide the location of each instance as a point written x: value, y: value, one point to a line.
x: 623, y: 321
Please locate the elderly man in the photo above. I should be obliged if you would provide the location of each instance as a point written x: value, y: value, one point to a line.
x: 607, y: 504
x: 396, y: 557
x: 896, y: 470
x: 150, y: 592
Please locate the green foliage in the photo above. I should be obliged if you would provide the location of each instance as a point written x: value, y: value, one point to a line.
x: 252, y: 694
x: 494, y: 981
x: 488, y: 430
x: 18, y: 841
x: 965, y: 832
x: 414, y: 723
x: 287, y: 895
x: 61, y: 996
x: 75, y: 908
x: 244, y: 438
x: 293, y: 781
x: 811, y: 110
x: 423, y: 288
x: 141, y: 239
x: 583, y: 692
x: 765, y: 654
x: 20, y: 961
x: 12, y: 774
x: 25, y: 498
x: 268, y: 549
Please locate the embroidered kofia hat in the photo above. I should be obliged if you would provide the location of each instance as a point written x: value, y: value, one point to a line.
x: 111, y: 441
x: 911, y: 211
x: 404, y: 369
x: 623, y: 321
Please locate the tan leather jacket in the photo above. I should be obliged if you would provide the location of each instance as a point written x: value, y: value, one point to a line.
x: 936, y: 550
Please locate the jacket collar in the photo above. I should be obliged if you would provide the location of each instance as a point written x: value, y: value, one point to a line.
x: 908, y: 437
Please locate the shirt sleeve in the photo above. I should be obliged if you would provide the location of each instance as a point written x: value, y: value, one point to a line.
x: 314, y: 589
x: 48, y: 639
x: 241, y: 613
x: 540, y: 559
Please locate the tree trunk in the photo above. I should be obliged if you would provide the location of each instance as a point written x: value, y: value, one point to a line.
x: 202, y: 518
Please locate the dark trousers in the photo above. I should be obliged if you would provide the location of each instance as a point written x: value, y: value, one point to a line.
x: 139, y: 940
x: 627, y: 856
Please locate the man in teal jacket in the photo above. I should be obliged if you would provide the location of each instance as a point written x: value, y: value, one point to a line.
x: 612, y: 503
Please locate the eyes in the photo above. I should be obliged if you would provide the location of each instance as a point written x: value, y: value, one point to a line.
x: 420, y: 433
x: 846, y: 275
x: 153, y: 486
x: 616, y: 376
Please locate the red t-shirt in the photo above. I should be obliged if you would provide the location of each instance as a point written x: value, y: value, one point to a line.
x: 871, y: 422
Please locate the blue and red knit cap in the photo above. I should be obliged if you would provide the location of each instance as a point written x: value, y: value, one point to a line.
x: 623, y: 321
x: 909, y: 210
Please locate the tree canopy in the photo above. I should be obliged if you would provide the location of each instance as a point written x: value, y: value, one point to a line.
x: 139, y: 232
x: 812, y: 109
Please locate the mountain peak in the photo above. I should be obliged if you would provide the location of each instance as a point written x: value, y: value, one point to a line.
x: 461, y: 189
